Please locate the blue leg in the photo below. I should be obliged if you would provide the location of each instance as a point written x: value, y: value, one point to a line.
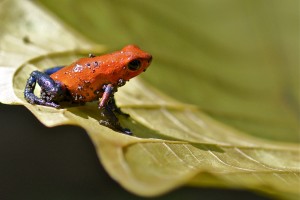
x: 51, y: 91
x: 53, y: 70
x: 107, y: 107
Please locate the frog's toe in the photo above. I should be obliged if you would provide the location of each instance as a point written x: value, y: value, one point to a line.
x: 127, y: 131
x: 52, y: 104
x: 105, y: 123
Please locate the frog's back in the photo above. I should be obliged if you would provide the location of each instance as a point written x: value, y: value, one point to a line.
x: 82, y: 79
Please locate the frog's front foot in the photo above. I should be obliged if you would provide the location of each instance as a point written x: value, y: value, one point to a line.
x: 115, y: 127
x: 127, y: 131
x: 109, y: 120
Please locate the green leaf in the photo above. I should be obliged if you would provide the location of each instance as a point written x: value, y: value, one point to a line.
x: 174, y: 143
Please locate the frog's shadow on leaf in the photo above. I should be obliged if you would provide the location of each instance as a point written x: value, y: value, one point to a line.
x: 90, y: 110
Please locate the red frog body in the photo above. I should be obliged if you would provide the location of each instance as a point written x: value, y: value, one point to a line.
x: 90, y: 79
x: 86, y: 77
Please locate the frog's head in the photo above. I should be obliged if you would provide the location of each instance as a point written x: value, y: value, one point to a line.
x: 136, y: 61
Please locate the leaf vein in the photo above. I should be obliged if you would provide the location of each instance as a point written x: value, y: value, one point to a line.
x: 253, y: 160
x: 183, y: 127
x: 224, y: 163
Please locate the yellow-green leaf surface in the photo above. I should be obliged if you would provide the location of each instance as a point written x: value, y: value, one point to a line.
x: 174, y: 143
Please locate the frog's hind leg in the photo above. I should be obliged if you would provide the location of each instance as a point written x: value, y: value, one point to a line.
x: 53, y: 70
x: 51, y: 90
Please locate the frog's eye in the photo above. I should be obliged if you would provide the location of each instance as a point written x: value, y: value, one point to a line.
x: 134, y: 65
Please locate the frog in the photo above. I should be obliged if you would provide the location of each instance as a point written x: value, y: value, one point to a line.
x: 88, y: 79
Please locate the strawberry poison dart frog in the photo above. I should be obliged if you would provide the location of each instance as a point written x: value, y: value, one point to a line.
x: 90, y: 79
